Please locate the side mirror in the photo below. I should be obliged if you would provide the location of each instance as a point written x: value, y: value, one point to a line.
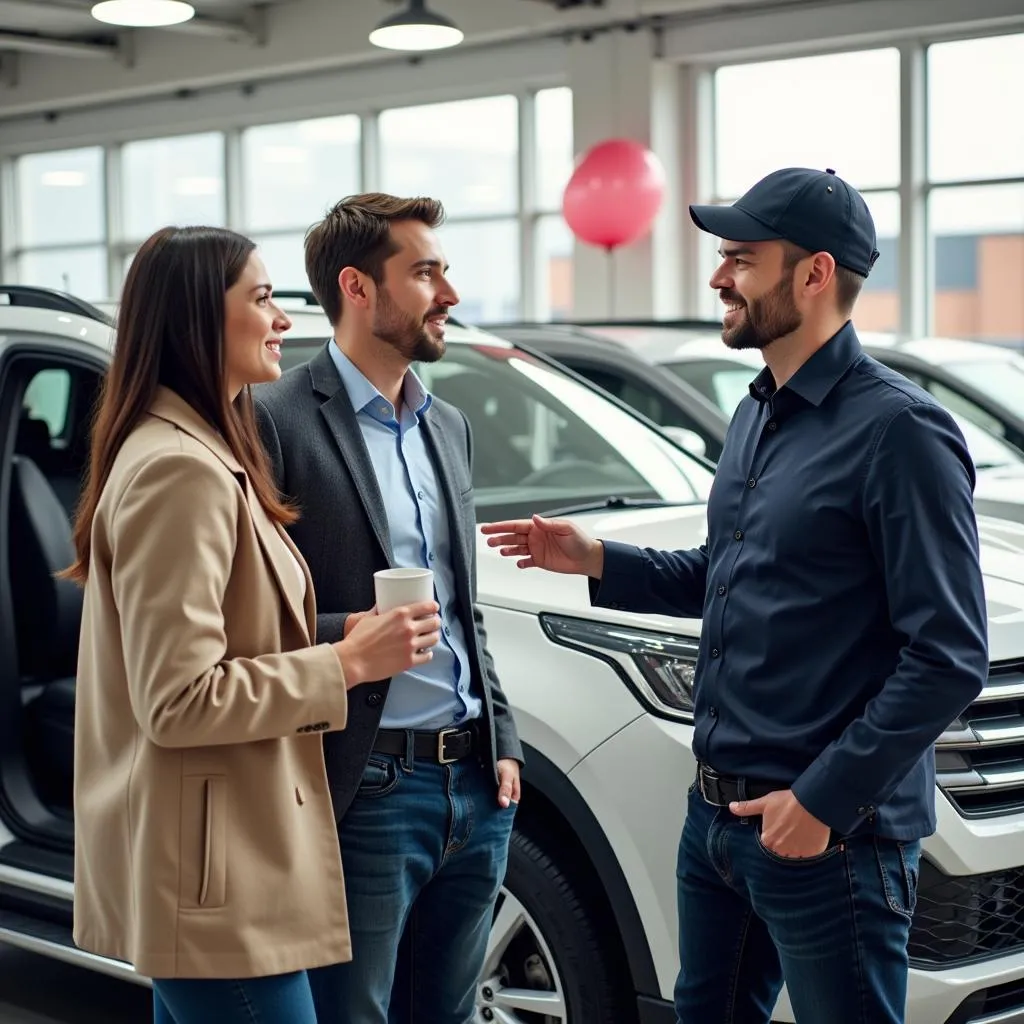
x: 688, y: 439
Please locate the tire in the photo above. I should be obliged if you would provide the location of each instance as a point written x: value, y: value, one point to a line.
x: 550, y: 961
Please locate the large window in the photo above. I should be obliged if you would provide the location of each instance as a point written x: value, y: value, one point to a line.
x: 976, y: 189
x: 465, y: 154
x: 510, y: 251
x: 553, y: 241
x: 61, y: 223
x: 177, y: 181
x: 291, y: 175
x: 840, y: 111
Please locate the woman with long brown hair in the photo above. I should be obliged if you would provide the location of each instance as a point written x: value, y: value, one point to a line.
x: 205, y: 845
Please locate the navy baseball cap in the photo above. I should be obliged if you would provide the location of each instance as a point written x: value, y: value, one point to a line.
x: 815, y: 210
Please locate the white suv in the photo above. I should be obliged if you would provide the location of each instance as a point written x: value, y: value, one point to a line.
x: 585, y: 931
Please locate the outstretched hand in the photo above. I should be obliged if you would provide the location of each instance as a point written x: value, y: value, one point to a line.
x: 557, y: 545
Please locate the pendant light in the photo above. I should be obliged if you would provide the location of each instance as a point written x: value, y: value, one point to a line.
x: 416, y: 28
x: 143, y: 13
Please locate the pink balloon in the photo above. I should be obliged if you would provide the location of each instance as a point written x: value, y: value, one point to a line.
x: 614, y: 193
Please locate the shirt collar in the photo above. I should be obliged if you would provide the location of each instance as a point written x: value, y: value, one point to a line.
x: 820, y: 374
x: 366, y: 398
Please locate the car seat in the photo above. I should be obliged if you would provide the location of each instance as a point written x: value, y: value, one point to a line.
x: 47, y: 620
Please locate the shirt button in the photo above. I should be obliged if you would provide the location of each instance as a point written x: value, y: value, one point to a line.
x: 721, y: 591
x: 713, y: 711
x: 715, y: 652
x: 447, y: 631
x: 772, y: 425
x: 751, y: 482
x: 374, y: 700
x: 420, y: 495
x: 738, y: 535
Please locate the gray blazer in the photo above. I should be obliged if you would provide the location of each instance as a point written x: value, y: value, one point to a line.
x: 320, y: 461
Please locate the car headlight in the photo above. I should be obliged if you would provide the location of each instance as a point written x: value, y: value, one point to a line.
x: 658, y: 667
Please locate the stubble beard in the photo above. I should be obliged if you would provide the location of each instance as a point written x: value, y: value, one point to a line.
x: 408, y: 335
x: 767, y: 318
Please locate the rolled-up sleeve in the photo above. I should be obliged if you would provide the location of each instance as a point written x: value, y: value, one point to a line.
x: 919, y: 516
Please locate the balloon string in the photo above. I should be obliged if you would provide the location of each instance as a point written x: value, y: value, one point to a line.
x: 610, y: 252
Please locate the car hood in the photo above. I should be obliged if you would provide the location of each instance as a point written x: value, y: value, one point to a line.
x: 503, y: 585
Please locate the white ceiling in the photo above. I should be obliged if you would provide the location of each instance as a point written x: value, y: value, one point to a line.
x: 54, y: 58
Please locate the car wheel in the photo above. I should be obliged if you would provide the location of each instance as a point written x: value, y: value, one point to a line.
x: 546, y: 962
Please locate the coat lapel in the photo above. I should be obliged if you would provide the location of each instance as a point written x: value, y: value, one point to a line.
x: 441, y: 453
x: 341, y: 420
x: 273, y: 541
x: 278, y: 551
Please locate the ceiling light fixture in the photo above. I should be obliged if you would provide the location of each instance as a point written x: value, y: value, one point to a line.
x: 416, y: 29
x: 143, y: 13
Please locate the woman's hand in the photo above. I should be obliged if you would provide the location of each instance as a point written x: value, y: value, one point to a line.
x: 380, y: 646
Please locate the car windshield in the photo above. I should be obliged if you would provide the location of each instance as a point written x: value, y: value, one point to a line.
x: 545, y: 441
x: 1000, y: 379
x: 720, y: 380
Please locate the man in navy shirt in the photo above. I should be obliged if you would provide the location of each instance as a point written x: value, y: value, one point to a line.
x: 844, y: 629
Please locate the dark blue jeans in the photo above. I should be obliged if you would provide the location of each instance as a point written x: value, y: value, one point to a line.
x: 835, y: 927
x: 278, y: 999
x: 424, y: 847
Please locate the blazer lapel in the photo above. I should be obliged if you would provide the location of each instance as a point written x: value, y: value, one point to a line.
x: 442, y: 454
x: 344, y: 427
x: 172, y: 407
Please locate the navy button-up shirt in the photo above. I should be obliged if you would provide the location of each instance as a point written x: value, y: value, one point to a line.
x: 840, y: 588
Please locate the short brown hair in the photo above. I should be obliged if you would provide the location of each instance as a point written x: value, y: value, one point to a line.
x: 848, y: 282
x: 357, y: 233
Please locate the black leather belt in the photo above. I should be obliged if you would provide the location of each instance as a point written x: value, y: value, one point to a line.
x: 442, y: 747
x: 722, y: 790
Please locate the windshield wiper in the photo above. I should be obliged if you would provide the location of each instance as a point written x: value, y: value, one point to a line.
x: 613, y: 502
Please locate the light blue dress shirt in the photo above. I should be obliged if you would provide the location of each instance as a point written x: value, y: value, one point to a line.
x: 435, y: 695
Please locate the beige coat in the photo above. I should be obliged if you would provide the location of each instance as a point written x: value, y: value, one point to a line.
x: 205, y: 838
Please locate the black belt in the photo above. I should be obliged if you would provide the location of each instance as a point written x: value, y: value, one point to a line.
x: 442, y: 747
x: 722, y: 790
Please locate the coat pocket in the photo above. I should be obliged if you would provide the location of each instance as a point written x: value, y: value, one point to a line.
x: 204, y: 859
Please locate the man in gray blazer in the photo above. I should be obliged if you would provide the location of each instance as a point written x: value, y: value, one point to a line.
x: 425, y: 778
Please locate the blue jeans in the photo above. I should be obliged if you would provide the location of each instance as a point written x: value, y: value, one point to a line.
x: 278, y: 999
x: 424, y: 847
x: 835, y: 927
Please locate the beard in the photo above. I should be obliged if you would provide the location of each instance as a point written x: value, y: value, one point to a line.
x: 409, y: 335
x: 768, y: 317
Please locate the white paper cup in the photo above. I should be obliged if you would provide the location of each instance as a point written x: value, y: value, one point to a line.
x: 397, y: 587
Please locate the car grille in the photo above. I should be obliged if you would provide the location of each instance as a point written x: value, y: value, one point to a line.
x: 979, y: 759
x: 967, y: 917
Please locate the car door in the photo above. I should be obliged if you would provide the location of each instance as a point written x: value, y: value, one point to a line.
x: 48, y: 390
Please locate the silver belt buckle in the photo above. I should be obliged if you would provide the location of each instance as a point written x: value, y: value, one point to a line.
x: 441, y: 737
x: 704, y: 772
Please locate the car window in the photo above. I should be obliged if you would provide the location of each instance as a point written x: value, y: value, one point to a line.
x: 543, y: 440
x: 1003, y: 380
x: 724, y: 382
x: 46, y: 399
x: 988, y: 451
x: 965, y: 408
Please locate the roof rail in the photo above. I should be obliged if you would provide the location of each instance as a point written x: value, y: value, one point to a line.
x: 49, y: 298
x: 311, y: 300
x: 294, y: 293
